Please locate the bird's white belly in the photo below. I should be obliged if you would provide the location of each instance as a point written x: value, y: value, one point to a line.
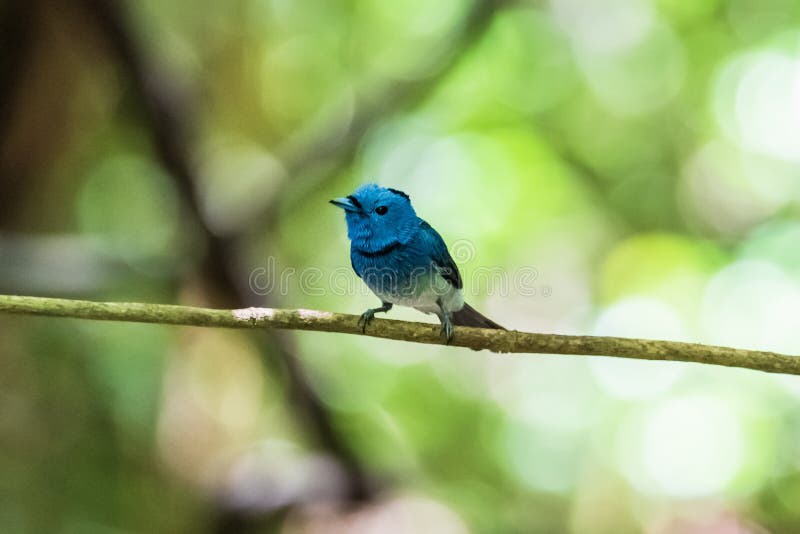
x: 428, y: 296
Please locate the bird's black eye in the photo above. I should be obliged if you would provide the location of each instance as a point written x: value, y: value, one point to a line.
x: 381, y: 210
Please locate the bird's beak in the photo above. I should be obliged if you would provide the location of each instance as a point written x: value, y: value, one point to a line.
x: 345, y: 203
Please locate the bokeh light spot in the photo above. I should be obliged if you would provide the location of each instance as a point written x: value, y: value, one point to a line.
x: 687, y: 447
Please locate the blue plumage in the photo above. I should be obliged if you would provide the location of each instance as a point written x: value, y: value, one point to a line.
x: 402, y: 259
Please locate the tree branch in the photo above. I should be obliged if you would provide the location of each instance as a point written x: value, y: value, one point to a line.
x: 334, y: 143
x: 507, y: 341
x: 166, y: 119
x: 165, y: 114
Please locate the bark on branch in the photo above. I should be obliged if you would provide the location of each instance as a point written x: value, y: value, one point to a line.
x: 508, y: 341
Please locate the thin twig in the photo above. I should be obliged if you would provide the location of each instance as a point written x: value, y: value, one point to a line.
x: 503, y: 341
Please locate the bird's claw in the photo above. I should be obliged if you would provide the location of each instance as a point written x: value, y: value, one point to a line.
x: 447, y: 331
x: 365, y: 319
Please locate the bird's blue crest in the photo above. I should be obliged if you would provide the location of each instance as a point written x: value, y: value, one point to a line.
x: 378, y: 217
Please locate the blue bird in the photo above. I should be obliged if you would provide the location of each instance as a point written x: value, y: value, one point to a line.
x: 403, y: 260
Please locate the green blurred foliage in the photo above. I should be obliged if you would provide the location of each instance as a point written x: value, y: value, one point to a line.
x: 641, y: 157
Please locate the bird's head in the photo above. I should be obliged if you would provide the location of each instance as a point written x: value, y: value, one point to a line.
x: 378, y: 217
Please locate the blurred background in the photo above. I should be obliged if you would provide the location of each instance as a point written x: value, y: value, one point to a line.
x: 637, y: 160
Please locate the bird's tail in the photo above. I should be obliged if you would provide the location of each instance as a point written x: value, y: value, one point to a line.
x: 468, y: 316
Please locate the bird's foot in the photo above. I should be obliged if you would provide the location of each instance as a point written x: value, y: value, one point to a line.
x: 369, y: 315
x: 447, y: 330
x: 365, y: 319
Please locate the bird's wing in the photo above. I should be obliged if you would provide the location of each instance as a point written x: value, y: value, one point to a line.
x: 433, y: 243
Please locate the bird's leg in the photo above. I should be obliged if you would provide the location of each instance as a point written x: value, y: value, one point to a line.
x: 369, y: 315
x: 447, y: 324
